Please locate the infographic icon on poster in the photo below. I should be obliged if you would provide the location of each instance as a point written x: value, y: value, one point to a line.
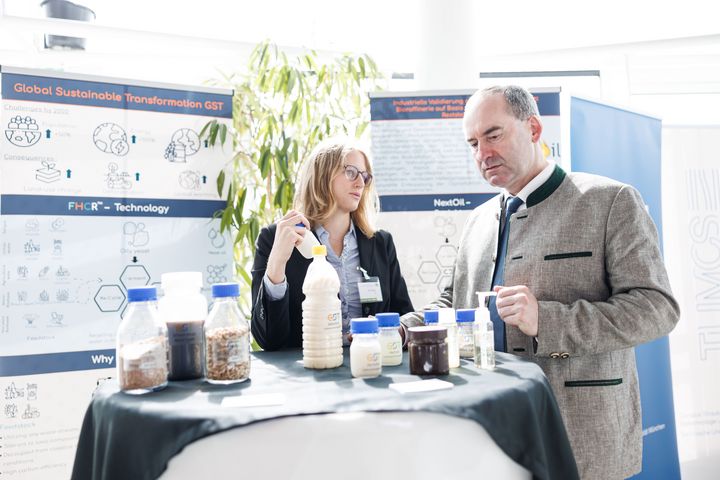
x: 23, y: 131
x: 184, y: 142
x: 111, y: 138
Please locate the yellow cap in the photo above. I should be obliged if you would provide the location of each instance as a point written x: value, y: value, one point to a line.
x: 320, y: 250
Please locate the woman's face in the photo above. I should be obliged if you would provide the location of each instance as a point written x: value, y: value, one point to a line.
x: 347, y: 192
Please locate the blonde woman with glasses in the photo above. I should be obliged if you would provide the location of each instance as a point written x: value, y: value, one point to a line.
x: 337, y: 202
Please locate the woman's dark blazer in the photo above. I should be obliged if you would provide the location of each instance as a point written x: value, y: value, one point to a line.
x: 277, y: 324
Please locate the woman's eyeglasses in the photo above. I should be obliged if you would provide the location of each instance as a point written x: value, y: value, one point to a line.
x: 352, y: 172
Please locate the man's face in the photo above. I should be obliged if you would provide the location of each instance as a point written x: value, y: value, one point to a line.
x: 502, y: 145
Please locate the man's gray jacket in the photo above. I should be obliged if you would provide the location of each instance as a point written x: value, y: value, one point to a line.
x: 588, y: 250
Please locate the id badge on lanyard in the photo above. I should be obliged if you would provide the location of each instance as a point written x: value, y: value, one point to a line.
x: 369, y: 288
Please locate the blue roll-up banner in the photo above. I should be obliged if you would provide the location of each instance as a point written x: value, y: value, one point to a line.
x: 626, y: 146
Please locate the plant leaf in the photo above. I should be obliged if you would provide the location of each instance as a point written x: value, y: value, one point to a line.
x: 223, y: 133
x: 220, y: 182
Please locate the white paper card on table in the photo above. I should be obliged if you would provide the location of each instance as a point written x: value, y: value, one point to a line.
x: 421, y: 386
x: 263, y: 400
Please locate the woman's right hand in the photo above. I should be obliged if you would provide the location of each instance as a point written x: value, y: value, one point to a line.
x: 287, y: 236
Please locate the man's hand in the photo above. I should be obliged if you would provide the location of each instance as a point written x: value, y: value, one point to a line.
x: 517, y: 306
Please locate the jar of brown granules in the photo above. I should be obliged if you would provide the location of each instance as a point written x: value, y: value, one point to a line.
x: 142, y: 354
x: 227, y: 338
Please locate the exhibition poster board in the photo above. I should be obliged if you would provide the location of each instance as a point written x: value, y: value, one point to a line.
x: 105, y: 184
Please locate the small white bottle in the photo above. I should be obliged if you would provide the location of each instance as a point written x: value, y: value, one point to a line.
x: 466, y: 343
x: 446, y: 318
x: 484, y: 334
x: 365, y: 353
x: 308, y: 242
x: 390, y: 340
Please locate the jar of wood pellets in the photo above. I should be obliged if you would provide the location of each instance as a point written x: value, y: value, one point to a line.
x: 227, y: 338
x: 141, y: 349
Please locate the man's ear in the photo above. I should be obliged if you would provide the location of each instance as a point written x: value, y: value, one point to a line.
x: 536, y: 128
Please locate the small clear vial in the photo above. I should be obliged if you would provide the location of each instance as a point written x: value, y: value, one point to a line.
x: 390, y: 339
x: 446, y: 318
x: 466, y: 343
x: 484, y: 334
x: 365, y: 353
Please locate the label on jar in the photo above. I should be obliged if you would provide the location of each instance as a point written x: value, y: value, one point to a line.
x: 466, y: 342
x: 144, y: 355
x: 227, y: 353
x: 391, y: 350
x: 365, y: 360
x: 143, y: 364
x: 186, y: 346
x: 227, y: 345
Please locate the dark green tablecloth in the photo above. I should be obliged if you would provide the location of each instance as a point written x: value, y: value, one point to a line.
x: 134, y: 437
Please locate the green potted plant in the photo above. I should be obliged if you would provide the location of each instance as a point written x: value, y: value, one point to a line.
x: 283, y: 106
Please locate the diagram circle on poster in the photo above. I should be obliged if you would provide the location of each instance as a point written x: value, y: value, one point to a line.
x: 184, y: 142
x: 23, y: 131
x: 111, y: 138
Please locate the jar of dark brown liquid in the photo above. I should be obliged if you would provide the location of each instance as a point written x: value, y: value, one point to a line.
x: 184, y: 308
x: 428, y: 350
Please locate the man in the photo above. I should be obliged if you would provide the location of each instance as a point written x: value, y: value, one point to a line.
x: 580, y: 283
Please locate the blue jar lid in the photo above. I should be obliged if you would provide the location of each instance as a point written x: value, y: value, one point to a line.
x: 230, y: 289
x: 431, y: 317
x: 463, y: 315
x: 389, y: 319
x: 364, y: 325
x: 141, y: 294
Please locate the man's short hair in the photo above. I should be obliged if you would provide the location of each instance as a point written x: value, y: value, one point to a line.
x: 522, y: 103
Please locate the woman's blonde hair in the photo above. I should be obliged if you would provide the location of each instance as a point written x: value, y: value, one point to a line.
x: 314, y: 196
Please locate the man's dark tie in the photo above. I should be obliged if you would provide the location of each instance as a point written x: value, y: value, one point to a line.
x: 513, y: 203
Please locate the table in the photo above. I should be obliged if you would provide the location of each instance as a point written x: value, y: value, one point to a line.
x: 350, y: 446
x: 125, y: 436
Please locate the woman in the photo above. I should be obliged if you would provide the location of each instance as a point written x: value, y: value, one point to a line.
x: 337, y: 201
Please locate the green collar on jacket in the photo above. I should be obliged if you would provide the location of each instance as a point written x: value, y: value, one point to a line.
x: 547, y: 188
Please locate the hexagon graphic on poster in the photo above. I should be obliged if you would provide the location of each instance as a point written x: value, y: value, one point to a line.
x: 134, y: 276
x: 23, y: 131
x: 184, y: 142
x: 109, y: 298
x: 111, y: 138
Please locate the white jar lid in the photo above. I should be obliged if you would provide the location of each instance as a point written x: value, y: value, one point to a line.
x: 181, y: 280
